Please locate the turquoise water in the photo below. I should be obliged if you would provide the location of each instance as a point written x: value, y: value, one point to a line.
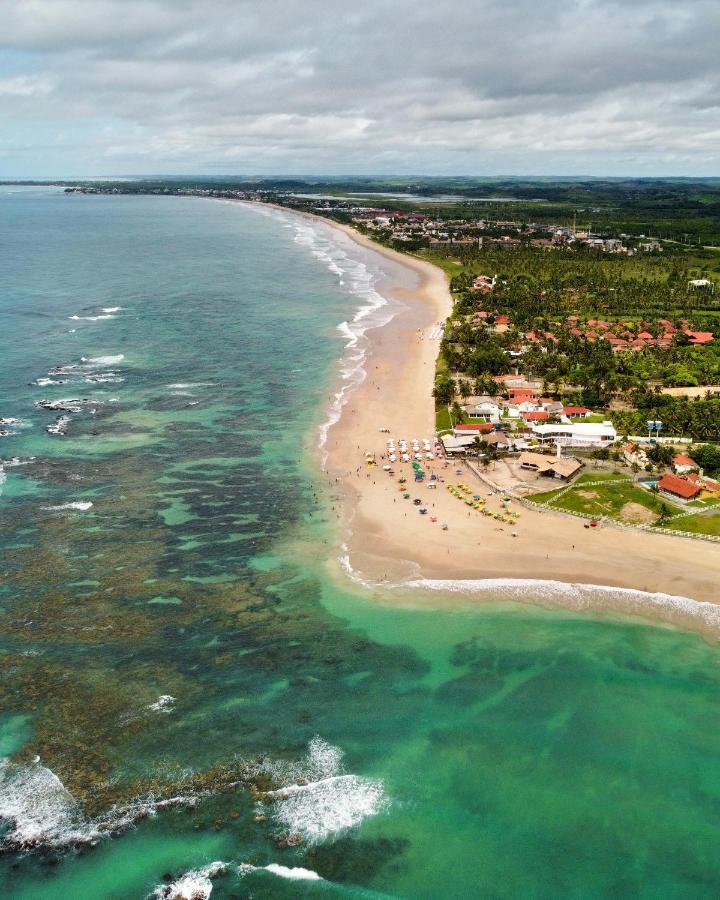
x: 179, y: 638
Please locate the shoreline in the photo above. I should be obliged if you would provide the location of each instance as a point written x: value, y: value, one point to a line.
x: 386, y: 547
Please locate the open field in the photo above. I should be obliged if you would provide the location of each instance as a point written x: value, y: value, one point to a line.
x: 598, y: 476
x: 623, y: 501
x: 701, y: 524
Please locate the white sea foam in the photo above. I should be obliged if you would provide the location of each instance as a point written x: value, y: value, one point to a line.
x: 17, y: 461
x: 37, y: 810
x: 80, y: 505
x: 103, y: 378
x: 576, y: 595
x: 91, y: 318
x: 164, y: 703
x: 295, y: 873
x: 112, y: 309
x: 374, y: 311
x: 103, y: 360
x: 323, y: 808
x: 13, y: 422
x: 193, y: 885
x: 568, y: 595
x: 324, y: 800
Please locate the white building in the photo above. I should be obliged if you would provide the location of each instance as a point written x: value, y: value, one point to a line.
x: 577, y: 434
x: 488, y: 411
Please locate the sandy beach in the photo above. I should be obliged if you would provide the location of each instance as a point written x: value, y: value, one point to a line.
x: 384, y: 541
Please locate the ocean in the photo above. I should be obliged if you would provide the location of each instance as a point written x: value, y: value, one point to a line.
x: 189, y: 703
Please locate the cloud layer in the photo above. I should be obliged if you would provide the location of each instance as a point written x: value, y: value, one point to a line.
x: 386, y: 86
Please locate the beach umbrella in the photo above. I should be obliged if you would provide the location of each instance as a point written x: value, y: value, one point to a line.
x: 387, y: 468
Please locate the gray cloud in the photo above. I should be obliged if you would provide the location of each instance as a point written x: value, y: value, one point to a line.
x: 282, y: 86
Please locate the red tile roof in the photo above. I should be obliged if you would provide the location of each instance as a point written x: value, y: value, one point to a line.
x: 681, y: 487
x: 708, y: 483
x: 575, y: 410
x: 536, y: 416
x: 682, y: 460
x: 700, y: 337
x: 482, y: 427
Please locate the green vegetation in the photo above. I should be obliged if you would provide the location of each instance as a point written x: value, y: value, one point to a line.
x: 442, y: 418
x: 598, y: 476
x: 701, y: 524
x: 624, y: 501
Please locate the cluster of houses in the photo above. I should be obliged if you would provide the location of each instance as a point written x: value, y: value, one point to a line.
x: 525, y: 419
x: 535, y: 418
x: 412, y: 226
x: 622, y: 336
x: 628, y: 336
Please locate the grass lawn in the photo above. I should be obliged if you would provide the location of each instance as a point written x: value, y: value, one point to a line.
x: 449, y: 266
x: 600, y: 476
x: 703, y: 504
x: 442, y: 419
x: 624, y: 501
x: 706, y: 524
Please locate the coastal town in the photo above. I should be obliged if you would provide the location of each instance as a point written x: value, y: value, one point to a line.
x: 580, y: 354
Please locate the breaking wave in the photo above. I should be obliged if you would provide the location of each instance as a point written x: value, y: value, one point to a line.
x: 294, y: 873
x: 193, y: 885
x: 374, y: 311
x: 359, y: 279
x: 103, y: 360
x: 317, y: 800
x: 37, y: 811
x: 324, y: 801
x: 80, y: 505
x: 196, y: 884
x: 565, y: 595
x: 164, y: 703
x: 91, y: 318
x: 577, y: 596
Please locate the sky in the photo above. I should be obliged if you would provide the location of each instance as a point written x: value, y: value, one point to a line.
x: 378, y: 87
